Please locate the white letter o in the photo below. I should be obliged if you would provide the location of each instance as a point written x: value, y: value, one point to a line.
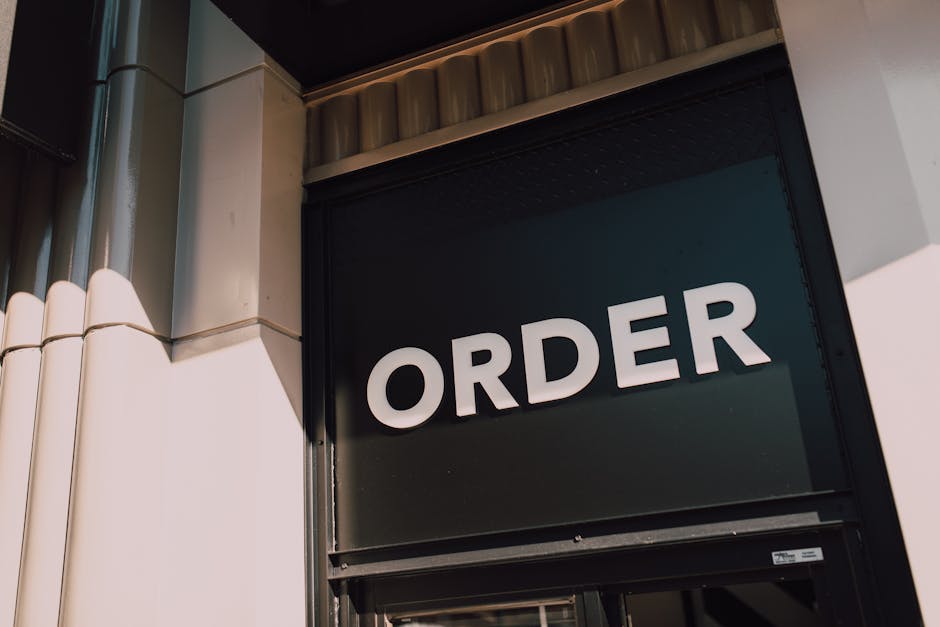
x: 376, y: 391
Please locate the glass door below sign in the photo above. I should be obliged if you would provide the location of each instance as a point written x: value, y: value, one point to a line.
x: 791, y: 603
x: 544, y: 613
x: 787, y: 602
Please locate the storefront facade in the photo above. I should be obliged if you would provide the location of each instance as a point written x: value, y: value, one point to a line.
x: 658, y: 381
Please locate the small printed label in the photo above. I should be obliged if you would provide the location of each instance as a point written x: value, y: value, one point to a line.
x: 797, y: 556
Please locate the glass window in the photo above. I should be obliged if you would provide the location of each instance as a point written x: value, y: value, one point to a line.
x: 545, y: 613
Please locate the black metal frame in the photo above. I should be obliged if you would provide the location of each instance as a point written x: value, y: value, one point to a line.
x: 676, y: 567
x: 876, y: 555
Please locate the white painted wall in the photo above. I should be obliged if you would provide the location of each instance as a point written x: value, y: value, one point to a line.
x: 868, y: 77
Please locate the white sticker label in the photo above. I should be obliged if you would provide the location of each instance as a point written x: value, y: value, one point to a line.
x: 797, y: 556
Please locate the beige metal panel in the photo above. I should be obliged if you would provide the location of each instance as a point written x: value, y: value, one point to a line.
x: 72, y: 224
x: 134, y: 238
x: 7, y: 16
x: 907, y: 32
x: 20, y: 360
x: 867, y: 77
x: 501, y: 80
x: 233, y: 478
x: 378, y: 116
x: 51, y: 463
x: 279, y: 288
x: 218, y: 240
x: 339, y: 127
x: 217, y: 49
x: 312, y: 149
x: 22, y: 325
x: 690, y: 25
x: 417, y: 103
x: 50, y: 479
x: 29, y: 272
x: 18, y: 387
x: 545, y: 62
x: 116, y: 526
x: 11, y: 167
x: 151, y: 34
x: 901, y: 370
x: 458, y: 89
x: 33, y: 236
x: 871, y: 131
x: 591, y: 53
x: 238, y: 244
x: 104, y: 20
x: 201, y: 521
x: 638, y: 33
x: 740, y: 18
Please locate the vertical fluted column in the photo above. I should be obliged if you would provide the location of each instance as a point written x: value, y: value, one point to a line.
x: 458, y: 89
x: 378, y: 118
x: 740, y: 18
x: 339, y: 127
x: 21, y: 357
x: 135, y: 220
x: 590, y: 48
x: 312, y: 153
x: 43, y: 555
x: 638, y: 32
x: 545, y: 62
x: 690, y: 25
x: 11, y: 167
x: 501, y: 82
x: 112, y: 572
x: 417, y: 103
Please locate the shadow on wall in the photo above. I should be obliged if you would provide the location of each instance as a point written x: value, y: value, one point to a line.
x: 42, y: 292
x: 11, y: 168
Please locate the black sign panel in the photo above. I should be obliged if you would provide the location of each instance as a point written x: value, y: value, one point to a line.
x: 423, y: 264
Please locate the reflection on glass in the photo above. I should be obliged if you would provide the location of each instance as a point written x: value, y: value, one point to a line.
x: 763, y: 604
x: 546, y: 613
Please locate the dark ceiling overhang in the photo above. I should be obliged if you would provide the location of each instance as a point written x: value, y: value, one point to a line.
x: 319, y: 41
